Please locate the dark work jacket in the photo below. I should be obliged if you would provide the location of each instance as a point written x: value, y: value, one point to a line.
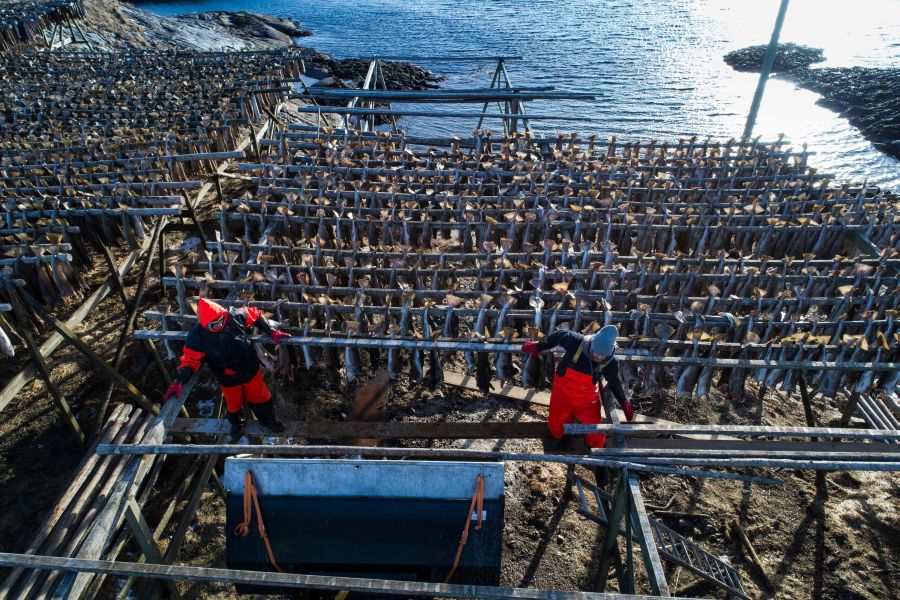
x: 229, y: 354
x: 570, y: 341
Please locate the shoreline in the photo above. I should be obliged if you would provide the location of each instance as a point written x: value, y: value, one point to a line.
x: 868, y: 97
x: 114, y: 25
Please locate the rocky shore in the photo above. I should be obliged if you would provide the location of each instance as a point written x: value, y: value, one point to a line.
x: 867, y: 97
x: 114, y: 25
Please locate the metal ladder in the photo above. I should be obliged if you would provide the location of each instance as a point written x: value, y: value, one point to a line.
x: 672, y: 546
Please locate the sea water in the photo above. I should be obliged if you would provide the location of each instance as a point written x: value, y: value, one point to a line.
x: 656, y: 67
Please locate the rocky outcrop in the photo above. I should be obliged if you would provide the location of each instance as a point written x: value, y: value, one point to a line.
x: 112, y: 25
x: 867, y: 97
x: 352, y: 72
x: 787, y: 58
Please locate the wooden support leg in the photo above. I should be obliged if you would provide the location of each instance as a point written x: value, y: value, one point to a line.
x: 628, y: 588
x: 638, y: 514
x: 821, y: 482
x: 141, y: 532
x: 129, y: 322
x: 116, y: 278
x: 849, y: 408
x: 137, y: 397
x: 162, y: 260
x: 610, y: 549
x: 42, y: 367
x: 641, y: 523
x: 193, y: 216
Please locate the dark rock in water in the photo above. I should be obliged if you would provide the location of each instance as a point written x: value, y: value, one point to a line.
x: 398, y: 75
x: 787, y: 58
x: 867, y: 97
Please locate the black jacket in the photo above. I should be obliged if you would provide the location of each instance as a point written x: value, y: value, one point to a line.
x: 229, y: 354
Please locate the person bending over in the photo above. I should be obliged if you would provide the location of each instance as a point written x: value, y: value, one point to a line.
x: 575, y: 396
x: 220, y: 338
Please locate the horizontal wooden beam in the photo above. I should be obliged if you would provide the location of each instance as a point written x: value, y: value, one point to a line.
x: 471, y: 346
x: 431, y: 113
x: 296, y: 580
x: 424, y: 453
x: 383, y: 430
x: 736, y: 430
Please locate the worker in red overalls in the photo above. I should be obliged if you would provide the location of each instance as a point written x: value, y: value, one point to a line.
x: 220, y: 339
x: 576, y: 386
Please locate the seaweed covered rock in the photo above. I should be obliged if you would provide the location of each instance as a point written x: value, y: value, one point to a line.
x: 787, y: 58
x: 352, y: 72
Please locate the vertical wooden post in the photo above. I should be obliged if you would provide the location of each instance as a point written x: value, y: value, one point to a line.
x: 610, y: 548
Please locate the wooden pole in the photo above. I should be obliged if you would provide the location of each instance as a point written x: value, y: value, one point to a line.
x: 141, y: 532
x: 129, y: 324
x: 38, y: 360
x: 299, y: 581
x: 769, y: 60
x: 136, y: 395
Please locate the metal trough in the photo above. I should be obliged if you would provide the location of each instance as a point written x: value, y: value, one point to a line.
x: 391, y: 519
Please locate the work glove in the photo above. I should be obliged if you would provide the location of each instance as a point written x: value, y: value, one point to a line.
x: 530, y: 348
x: 278, y: 335
x: 628, y: 409
x: 174, y: 390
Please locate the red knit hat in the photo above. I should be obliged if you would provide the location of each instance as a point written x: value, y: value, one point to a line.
x: 208, y: 311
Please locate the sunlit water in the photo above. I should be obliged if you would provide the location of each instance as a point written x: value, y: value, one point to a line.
x: 656, y: 67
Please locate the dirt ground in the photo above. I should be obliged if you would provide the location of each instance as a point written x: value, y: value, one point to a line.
x: 840, y: 545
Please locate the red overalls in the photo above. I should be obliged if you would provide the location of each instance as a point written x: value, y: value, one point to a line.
x: 575, y: 398
x: 254, y: 392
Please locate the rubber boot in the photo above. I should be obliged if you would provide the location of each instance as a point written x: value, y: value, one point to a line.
x: 265, y: 413
x: 564, y: 442
x: 601, y: 476
x: 237, y: 426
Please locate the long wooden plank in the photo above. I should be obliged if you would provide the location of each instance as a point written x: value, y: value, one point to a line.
x: 469, y: 346
x: 295, y: 580
x: 542, y: 398
x: 891, y: 453
x: 107, y: 523
x: 754, y: 445
x: 424, y: 453
x: 630, y: 429
x: 384, y: 430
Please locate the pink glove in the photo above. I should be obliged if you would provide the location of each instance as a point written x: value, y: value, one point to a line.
x: 530, y: 348
x: 174, y: 390
x: 628, y: 409
x: 278, y: 335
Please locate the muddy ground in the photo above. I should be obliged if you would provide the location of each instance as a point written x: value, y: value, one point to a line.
x: 840, y: 545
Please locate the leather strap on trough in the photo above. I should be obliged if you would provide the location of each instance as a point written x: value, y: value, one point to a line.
x: 477, y: 505
x: 243, y: 529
